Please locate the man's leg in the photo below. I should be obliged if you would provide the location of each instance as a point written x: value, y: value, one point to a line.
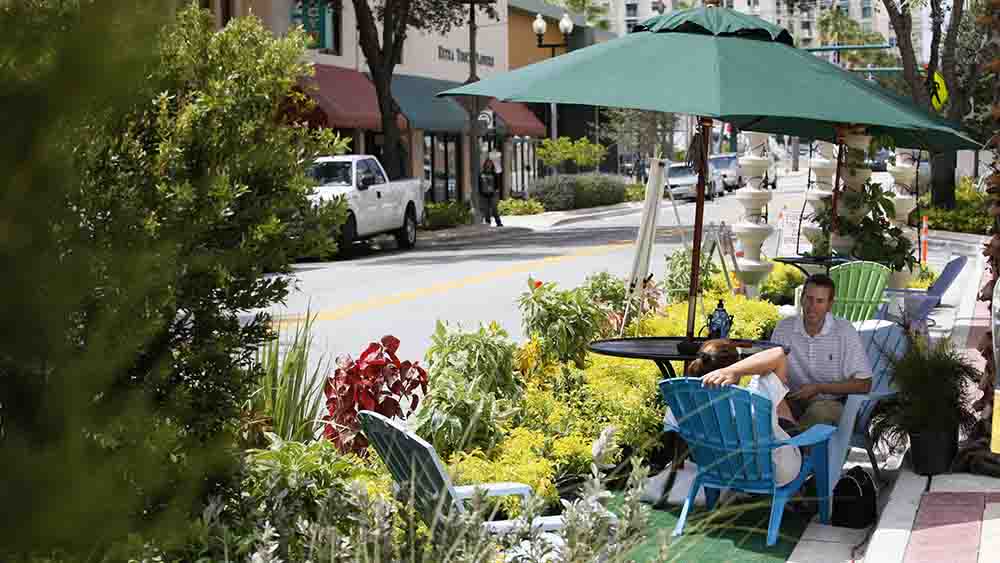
x: 821, y: 411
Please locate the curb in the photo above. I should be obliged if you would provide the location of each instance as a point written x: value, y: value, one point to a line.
x: 892, y: 533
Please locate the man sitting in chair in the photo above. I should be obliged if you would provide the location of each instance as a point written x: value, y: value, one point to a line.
x: 826, y: 360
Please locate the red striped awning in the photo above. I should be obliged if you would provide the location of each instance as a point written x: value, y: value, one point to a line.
x: 519, y: 119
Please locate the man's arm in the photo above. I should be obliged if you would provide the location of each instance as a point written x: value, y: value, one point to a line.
x: 851, y: 386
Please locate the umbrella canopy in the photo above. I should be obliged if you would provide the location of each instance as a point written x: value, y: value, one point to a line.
x: 715, y: 62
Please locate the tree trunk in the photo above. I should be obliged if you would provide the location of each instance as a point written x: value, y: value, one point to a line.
x: 391, y: 157
x: 943, y: 179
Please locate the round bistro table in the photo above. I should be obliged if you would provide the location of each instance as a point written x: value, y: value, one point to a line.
x: 665, y: 349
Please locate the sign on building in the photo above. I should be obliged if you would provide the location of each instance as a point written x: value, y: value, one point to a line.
x: 311, y: 15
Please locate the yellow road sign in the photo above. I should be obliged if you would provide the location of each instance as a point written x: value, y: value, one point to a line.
x: 939, y: 94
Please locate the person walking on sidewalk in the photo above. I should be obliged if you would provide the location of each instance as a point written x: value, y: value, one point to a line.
x: 488, y: 191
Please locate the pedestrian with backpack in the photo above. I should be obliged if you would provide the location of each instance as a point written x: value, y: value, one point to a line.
x: 488, y: 177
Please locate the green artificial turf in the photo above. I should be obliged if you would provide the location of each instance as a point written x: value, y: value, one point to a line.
x: 736, y: 532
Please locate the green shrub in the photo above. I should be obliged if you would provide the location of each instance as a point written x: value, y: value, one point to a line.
x: 678, y: 276
x: 288, y: 398
x: 779, y: 286
x: 970, y: 214
x: 635, y: 192
x: 471, y: 388
x: 529, y: 206
x: 609, y: 291
x: 446, y: 215
x: 564, y: 321
x: 594, y: 190
x: 578, y: 191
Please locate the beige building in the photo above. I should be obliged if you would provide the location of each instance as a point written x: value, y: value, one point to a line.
x: 438, y: 146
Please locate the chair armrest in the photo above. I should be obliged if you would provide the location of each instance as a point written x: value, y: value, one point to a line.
x: 815, y: 435
x: 904, y: 292
x: 494, y: 490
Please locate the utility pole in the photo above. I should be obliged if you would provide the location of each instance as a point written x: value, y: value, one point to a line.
x: 474, y: 108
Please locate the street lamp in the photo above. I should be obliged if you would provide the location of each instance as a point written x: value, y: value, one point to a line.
x: 539, y: 26
x: 566, y: 27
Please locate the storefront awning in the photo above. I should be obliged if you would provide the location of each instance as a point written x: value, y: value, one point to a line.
x: 347, y: 97
x: 415, y: 96
x: 519, y: 120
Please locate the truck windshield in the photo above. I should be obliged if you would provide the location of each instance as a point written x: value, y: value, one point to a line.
x: 327, y: 173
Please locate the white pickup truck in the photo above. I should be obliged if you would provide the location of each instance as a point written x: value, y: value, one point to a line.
x: 375, y: 205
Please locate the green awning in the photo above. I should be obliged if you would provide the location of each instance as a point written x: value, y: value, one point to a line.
x: 416, y: 97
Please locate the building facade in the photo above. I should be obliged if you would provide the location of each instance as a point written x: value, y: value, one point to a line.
x: 438, y: 144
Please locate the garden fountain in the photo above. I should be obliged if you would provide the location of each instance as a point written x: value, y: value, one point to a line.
x: 752, y: 231
x: 904, y: 173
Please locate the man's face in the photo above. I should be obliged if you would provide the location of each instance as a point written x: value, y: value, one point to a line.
x: 816, y: 303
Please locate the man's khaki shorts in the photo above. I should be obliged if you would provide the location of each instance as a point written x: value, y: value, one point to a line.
x: 819, y: 411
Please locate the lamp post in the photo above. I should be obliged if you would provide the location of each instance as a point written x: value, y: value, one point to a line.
x: 566, y: 28
x: 474, y: 109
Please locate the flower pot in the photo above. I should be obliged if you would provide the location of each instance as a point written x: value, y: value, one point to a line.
x: 932, y: 451
x: 898, y: 280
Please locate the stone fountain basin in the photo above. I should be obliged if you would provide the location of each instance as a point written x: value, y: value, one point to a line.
x: 752, y: 235
x: 753, y: 272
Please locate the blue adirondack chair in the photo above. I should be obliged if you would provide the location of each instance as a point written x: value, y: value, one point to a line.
x: 883, y: 341
x: 919, y: 303
x: 730, y: 437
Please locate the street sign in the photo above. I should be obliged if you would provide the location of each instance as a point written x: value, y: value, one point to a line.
x: 939, y: 96
x: 486, y: 119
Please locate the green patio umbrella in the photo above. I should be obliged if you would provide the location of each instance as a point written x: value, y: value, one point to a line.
x: 717, y: 63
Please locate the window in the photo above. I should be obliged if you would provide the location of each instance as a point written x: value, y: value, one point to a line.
x: 629, y: 26
x: 892, y: 41
x: 327, y: 173
x: 441, y: 166
x: 374, y: 169
x: 631, y: 10
x: 866, y: 27
x: 866, y: 12
x: 806, y: 26
x: 845, y: 6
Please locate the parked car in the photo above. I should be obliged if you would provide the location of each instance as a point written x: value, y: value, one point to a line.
x: 880, y: 161
x: 375, y: 205
x: 728, y: 166
x: 682, y: 181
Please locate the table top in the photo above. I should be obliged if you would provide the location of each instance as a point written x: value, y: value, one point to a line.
x: 813, y: 260
x: 665, y: 348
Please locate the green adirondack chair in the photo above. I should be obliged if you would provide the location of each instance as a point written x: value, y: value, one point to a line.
x: 859, y: 289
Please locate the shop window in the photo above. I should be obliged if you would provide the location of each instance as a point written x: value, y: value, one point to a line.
x: 441, y: 166
x: 631, y: 10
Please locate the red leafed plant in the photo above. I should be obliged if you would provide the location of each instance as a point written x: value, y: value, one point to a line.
x: 376, y: 381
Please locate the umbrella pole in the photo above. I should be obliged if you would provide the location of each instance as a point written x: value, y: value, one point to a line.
x: 699, y: 212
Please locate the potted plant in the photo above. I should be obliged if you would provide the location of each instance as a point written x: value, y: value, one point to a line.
x: 931, y: 405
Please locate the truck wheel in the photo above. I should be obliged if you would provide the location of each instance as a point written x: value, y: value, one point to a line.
x: 406, y: 236
x: 348, y: 233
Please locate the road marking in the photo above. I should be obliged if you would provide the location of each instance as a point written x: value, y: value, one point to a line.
x: 444, y: 287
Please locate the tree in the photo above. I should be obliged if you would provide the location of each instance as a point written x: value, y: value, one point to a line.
x: 838, y: 28
x: 382, y: 30
x: 639, y: 131
x: 595, y: 14
x: 150, y: 172
x: 960, y: 77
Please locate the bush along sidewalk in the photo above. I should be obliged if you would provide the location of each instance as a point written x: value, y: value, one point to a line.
x: 563, y: 192
x: 446, y: 215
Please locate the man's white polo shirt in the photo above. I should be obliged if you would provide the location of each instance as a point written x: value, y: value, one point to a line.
x: 832, y: 356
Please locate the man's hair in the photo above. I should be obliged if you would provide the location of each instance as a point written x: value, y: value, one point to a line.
x: 820, y: 280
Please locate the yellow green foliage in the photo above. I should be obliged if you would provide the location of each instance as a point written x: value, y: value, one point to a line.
x: 922, y: 278
x: 519, y: 458
x: 754, y: 319
x: 779, y: 286
x: 572, y: 454
x: 622, y: 393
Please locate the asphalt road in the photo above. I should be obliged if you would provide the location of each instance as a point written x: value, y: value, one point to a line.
x: 404, y: 293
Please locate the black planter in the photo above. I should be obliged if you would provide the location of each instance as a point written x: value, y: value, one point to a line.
x: 933, y: 451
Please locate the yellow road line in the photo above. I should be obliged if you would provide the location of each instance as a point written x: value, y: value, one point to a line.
x: 444, y: 287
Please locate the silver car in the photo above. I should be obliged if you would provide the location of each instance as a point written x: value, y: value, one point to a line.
x: 682, y: 181
x: 729, y: 168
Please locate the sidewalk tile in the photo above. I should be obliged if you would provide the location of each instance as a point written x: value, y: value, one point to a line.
x: 823, y: 532
x: 809, y: 551
x: 944, y: 499
x: 964, y: 482
x: 989, y: 542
